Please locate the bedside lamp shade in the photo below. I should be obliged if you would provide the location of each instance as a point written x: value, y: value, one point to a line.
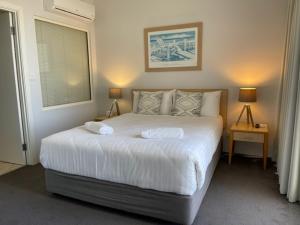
x: 247, y: 95
x: 115, y: 93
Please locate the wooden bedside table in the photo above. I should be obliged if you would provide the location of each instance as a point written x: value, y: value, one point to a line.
x: 100, y: 118
x: 103, y: 117
x: 245, y: 132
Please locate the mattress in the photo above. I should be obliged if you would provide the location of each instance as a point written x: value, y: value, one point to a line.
x: 167, y: 165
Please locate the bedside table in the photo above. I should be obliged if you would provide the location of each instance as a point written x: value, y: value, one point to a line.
x: 103, y: 117
x: 245, y: 132
x: 100, y: 118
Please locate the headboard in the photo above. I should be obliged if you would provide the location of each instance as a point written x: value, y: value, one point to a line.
x: 223, y: 100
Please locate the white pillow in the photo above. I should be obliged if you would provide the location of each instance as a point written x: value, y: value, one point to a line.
x: 136, y: 96
x: 167, y: 102
x: 211, y: 103
x: 166, y: 105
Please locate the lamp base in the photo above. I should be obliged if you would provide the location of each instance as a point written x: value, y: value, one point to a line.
x: 114, y: 104
x: 249, y: 115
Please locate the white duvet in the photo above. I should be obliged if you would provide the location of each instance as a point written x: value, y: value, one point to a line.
x: 168, y: 165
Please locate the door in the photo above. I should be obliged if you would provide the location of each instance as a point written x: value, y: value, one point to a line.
x: 11, y: 133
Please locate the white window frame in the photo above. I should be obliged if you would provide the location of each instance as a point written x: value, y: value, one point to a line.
x: 90, y: 59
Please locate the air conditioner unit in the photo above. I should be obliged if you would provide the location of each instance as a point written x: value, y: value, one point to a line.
x: 74, y: 8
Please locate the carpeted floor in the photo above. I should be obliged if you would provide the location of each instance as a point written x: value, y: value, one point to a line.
x: 241, y: 194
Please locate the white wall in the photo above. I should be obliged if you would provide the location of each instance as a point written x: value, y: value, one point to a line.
x: 243, y: 45
x: 44, y: 123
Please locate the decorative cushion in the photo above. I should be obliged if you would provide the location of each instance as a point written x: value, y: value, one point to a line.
x: 149, y: 103
x: 167, y: 103
x: 187, y: 104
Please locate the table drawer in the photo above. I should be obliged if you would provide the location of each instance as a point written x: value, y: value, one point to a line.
x: 251, y: 137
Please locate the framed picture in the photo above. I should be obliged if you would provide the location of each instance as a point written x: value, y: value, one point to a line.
x: 173, y: 48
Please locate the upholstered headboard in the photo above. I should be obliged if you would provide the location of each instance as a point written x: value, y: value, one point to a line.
x: 223, y: 100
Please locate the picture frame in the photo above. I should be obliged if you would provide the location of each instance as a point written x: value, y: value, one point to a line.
x: 173, y: 48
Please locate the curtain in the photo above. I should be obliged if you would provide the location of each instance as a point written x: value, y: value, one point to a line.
x: 289, y: 119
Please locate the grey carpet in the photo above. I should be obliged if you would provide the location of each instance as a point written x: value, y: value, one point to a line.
x: 240, y: 194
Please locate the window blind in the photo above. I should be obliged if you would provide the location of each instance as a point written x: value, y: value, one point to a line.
x: 64, y: 64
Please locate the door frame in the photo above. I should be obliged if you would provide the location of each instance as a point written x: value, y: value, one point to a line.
x: 22, y: 96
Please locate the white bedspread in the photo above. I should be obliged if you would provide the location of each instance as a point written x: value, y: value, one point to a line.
x: 169, y: 165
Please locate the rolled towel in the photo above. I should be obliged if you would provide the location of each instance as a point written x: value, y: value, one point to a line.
x: 167, y: 132
x: 99, y: 128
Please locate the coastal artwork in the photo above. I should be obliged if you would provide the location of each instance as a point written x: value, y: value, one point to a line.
x: 173, y: 48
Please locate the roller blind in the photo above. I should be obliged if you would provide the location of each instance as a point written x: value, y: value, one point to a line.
x: 64, y: 64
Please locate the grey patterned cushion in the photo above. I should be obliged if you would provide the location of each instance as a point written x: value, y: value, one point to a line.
x: 149, y: 103
x: 187, y: 104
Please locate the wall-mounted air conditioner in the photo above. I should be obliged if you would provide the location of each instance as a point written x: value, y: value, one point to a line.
x: 74, y: 8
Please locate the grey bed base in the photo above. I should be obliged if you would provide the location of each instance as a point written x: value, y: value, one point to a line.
x: 181, y: 209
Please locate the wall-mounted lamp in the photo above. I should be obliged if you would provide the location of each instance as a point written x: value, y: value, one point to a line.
x: 247, y: 95
x: 115, y: 94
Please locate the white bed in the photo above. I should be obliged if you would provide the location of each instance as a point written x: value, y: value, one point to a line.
x: 165, y: 179
x: 167, y: 165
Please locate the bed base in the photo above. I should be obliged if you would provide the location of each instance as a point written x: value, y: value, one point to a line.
x: 181, y: 209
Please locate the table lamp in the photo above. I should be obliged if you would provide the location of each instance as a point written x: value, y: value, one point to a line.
x: 115, y: 94
x: 247, y: 95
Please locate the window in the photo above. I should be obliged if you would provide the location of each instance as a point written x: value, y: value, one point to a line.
x: 64, y: 64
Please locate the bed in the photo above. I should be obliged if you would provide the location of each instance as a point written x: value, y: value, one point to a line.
x: 165, y: 179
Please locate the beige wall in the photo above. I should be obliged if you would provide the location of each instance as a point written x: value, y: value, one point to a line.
x: 243, y: 45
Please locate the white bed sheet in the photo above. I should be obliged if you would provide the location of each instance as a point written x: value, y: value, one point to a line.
x: 168, y: 165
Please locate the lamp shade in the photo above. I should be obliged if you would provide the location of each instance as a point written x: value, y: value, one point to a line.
x: 247, y: 95
x: 115, y: 93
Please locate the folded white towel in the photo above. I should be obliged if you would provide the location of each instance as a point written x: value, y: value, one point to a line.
x: 167, y: 132
x: 99, y: 128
